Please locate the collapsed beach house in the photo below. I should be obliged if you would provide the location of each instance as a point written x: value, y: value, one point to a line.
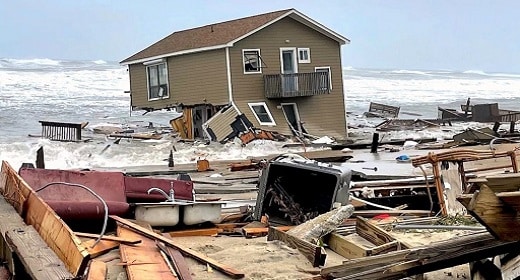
x: 279, y: 71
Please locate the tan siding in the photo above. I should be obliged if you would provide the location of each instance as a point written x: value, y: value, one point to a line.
x: 193, y: 79
x: 324, y: 114
x: 138, y: 85
x: 199, y: 78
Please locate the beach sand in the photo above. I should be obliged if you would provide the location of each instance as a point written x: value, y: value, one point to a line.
x: 259, y: 259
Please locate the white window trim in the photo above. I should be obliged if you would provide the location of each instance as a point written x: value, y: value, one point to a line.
x: 273, y: 123
x: 148, y: 81
x: 308, y: 60
x: 244, y: 62
x: 330, y: 73
x: 295, y: 51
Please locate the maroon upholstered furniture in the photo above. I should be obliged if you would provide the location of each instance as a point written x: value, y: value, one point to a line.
x: 115, y: 188
x: 77, y: 203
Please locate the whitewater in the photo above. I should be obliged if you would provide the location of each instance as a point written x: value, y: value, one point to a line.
x: 96, y: 92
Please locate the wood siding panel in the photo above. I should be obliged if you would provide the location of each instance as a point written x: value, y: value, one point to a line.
x: 323, y: 114
x: 193, y: 79
x: 220, y: 124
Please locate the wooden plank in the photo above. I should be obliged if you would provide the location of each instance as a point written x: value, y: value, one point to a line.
x: 179, y: 263
x: 195, y: 232
x: 387, y: 247
x: 250, y: 232
x: 499, y: 218
x: 144, y: 260
x: 511, y: 268
x: 97, y: 270
x: 39, y: 260
x: 187, y: 251
x: 375, y: 234
x: 504, y: 182
x: 312, y: 252
x: 58, y: 236
x: 10, y: 220
x: 102, y: 247
x: 511, y: 199
x: 109, y: 237
x: 345, y: 247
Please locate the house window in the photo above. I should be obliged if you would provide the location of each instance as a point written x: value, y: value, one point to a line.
x: 262, y: 114
x: 304, y: 55
x: 325, y: 81
x: 252, y: 61
x: 157, y: 81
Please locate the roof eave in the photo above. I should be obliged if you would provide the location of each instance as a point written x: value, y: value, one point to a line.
x: 141, y: 60
x: 321, y: 28
x: 309, y: 22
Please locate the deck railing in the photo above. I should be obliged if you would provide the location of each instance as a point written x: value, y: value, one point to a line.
x: 296, y: 85
x: 61, y: 131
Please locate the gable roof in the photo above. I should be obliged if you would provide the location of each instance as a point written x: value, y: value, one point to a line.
x: 221, y: 35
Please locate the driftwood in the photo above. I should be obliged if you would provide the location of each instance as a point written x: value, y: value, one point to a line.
x: 322, y: 225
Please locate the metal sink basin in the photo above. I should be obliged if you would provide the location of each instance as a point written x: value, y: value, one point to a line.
x: 158, y: 214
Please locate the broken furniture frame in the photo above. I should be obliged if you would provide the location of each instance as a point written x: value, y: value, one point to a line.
x: 461, y: 156
x: 383, y: 110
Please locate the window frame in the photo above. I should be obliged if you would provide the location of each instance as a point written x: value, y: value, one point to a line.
x: 308, y: 60
x: 148, y: 88
x: 253, y: 104
x: 330, y: 74
x: 244, y: 62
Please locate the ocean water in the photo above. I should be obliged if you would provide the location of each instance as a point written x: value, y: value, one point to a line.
x: 94, y: 91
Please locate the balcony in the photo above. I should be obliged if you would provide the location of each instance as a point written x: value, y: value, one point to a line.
x: 296, y: 85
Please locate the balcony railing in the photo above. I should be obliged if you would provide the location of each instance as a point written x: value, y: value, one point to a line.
x: 296, y: 85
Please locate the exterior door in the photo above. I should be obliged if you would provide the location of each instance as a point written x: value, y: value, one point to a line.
x: 289, y: 69
x: 290, y: 110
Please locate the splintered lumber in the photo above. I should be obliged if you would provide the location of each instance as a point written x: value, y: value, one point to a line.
x: 375, y: 234
x: 312, y: 252
x: 58, y: 236
x: 408, y: 262
x: 101, y: 247
x: 499, y: 218
x: 144, y: 260
x: 186, y: 251
x: 97, y: 270
x: 109, y: 238
x: 39, y: 260
x: 179, y: 262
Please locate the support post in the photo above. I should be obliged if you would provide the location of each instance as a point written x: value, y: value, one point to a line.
x: 375, y: 143
x: 40, y: 158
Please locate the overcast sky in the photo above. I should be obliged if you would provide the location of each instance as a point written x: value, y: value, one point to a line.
x: 396, y: 34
